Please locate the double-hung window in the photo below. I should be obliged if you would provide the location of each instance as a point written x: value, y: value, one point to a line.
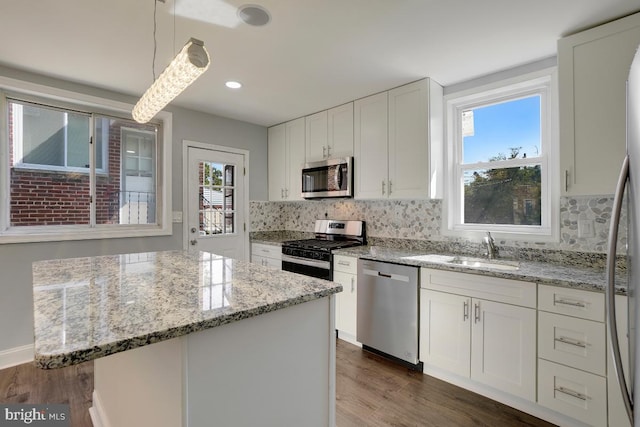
x: 78, y: 171
x: 500, y: 139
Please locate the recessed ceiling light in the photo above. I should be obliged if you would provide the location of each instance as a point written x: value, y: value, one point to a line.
x: 233, y: 85
x: 253, y: 14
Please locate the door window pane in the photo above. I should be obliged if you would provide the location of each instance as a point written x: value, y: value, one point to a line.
x: 217, y: 198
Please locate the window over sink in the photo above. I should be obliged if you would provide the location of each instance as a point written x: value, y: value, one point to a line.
x: 500, y: 168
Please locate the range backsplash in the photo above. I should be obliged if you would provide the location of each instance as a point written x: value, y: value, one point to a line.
x: 421, y: 220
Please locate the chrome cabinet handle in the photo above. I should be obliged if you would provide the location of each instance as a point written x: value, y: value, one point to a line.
x: 572, y: 393
x: 389, y: 186
x: 328, y: 151
x: 324, y: 151
x: 383, y: 188
x: 566, y: 180
x: 353, y: 285
x: 571, y: 303
x: 282, y: 193
x: 344, y: 263
x: 571, y: 341
x: 609, y: 293
x: 476, y: 313
x: 465, y: 310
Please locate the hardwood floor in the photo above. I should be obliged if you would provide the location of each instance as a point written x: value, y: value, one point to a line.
x: 374, y: 392
x: 72, y: 385
x: 370, y: 392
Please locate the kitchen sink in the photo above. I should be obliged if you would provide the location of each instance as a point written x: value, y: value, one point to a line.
x: 468, y: 262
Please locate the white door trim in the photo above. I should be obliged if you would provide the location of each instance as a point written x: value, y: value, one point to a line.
x: 186, y: 144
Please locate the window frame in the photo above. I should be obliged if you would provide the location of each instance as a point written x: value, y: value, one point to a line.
x: 543, y: 83
x: 66, y: 99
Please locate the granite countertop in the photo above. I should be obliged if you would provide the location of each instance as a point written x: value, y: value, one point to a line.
x: 549, y: 273
x: 539, y: 272
x: 85, y: 308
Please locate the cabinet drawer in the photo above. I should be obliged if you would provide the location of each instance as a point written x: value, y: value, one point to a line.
x: 575, y: 393
x: 269, y: 251
x: 345, y: 264
x: 572, y: 302
x: 477, y: 286
x: 578, y: 343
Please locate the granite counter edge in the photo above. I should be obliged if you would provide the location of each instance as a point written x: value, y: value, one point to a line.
x: 74, y: 357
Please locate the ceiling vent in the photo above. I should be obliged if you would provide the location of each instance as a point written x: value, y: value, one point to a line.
x: 254, y: 15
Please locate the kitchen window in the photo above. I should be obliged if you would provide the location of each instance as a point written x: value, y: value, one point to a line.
x: 499, y: 170
x: 81, y: 170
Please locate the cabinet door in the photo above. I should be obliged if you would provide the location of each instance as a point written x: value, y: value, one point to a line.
x: 316, y: 136
x: 445, y: 331
x: 347, y: 301
x: 408, y: 141
x: 370, y: 146
x: 276, y: 162
x: 503, y: 347
x: 295, y: 131
x: 593, y: 67
x: 340, y: 128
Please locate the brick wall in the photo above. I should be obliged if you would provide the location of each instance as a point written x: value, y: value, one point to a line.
x: 40, y: 197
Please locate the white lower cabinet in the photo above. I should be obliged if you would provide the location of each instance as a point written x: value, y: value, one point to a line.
x: 345, y: 270
x: 470, y: 330
x: 267, y: 255
x: 572, y: 354
x: 578, y: 394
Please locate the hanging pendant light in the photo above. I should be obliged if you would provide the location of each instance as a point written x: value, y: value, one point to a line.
x: 186, y: 67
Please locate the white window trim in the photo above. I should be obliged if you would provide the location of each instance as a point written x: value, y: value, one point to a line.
x: 82, y: 232
x: 543, y: 80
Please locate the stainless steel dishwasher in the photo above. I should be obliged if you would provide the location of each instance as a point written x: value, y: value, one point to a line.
x: 388, y: 296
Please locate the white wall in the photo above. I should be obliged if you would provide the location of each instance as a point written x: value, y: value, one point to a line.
x: 16, y: 303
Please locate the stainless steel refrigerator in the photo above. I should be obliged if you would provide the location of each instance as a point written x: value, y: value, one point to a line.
x: 624, y: 354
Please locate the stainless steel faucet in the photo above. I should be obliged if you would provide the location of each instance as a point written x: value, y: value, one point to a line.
x: 492, y: 249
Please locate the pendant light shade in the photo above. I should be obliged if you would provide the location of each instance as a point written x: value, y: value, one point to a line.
x: 186, y: 67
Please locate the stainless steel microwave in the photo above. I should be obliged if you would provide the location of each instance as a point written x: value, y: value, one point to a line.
x: 328, y: 178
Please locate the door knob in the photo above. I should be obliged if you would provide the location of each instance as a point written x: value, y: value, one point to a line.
x: 194, y: 242
x: 193, y: 229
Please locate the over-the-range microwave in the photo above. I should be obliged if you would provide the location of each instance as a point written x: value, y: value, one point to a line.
x: 328, y: 178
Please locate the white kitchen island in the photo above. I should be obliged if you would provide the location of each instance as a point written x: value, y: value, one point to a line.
x: 192, y: 340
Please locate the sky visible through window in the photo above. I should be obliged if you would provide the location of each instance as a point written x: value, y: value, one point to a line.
x: 499, y: 127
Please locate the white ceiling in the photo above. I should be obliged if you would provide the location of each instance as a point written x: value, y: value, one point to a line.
x: 313, y: 55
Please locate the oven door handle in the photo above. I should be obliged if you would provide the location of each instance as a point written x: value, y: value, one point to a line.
x: 306, y: 261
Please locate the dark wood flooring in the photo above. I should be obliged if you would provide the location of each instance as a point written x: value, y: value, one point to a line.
x: 72, y: 385
x: 370, y: 392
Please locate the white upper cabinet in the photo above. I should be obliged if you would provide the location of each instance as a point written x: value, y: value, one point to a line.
x: 316, y: 136
x: 329, y: 133
x: 398, y: 143
x: 340, y: 131
x: 285, y: 159
x: 592, y: 72
x: 370, y: 146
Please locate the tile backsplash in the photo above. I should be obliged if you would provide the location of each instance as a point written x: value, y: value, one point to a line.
x: 421, y: 220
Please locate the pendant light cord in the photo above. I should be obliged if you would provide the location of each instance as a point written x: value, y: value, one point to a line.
x: 155, y: 44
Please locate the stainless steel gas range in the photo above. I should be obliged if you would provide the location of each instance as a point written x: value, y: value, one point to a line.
x: 313, y: 257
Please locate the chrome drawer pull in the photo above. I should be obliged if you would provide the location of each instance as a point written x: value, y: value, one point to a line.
x: 476, y: 313
x: 465, y: 310
x: 344, y: 263
x: 571, y: 303
x: 570, y: 341
x: 572, y: 393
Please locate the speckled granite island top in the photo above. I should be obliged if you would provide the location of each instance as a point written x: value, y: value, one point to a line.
x: 85, y: 308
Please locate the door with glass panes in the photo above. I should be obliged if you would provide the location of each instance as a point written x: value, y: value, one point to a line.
x: 215, y: 217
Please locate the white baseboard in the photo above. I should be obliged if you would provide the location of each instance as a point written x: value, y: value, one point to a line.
x: 97, y: 413
x: 16, y: 356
